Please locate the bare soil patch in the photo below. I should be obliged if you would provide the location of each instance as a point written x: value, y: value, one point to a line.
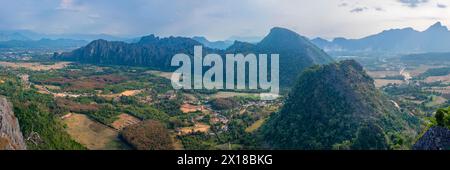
x: 445, y: 79
x: 124, y: 93
x: 35, y: 65
x: 124, y: 120
x: 198, y: 127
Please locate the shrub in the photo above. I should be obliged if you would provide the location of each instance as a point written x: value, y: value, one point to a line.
x: 442, y: 117
x: 148, y: 135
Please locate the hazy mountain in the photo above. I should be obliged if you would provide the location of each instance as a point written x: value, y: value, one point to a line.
x: 293, y: 45
x: 213, y: 44
x: 8, y: 36
x: 43, y: 43
x: 250, y: 39
x: 435, y: 39
x: 296, y: 52
x: 86, y: 37
x: 321, y: 42
x: 336, y: 106
x: 23, y: 35
x: 241, y: 47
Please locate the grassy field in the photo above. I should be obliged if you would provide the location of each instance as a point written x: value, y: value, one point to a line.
x: 167, y: 75
x: 383, y: 82
x: 91, y: 134
x: 255, y: 126
x: 435, y: 101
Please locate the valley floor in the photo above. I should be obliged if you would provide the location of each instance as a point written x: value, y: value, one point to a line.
x: 98, y: 102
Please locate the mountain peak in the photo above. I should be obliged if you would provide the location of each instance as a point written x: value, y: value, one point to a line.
x: 437, y: 24
x: 319, y: 39
x: 351, y: 63
x: 284, y: 38
x: 200, y: 39
x: 99, y: 41
x: 282, y: 31
x: 241, y: 46
x: 148, y: 39
x: 437, y: 27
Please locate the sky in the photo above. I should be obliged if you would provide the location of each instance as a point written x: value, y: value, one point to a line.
x: 220, y: 19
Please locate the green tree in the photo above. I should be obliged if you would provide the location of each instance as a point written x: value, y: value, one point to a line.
x: 148, y: 135
x: 440, y: 115
x: 370, y: 136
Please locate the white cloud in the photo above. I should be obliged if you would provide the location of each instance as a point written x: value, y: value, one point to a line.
x: 219, y: 19
x: 413, y: 3
x: 441, y: 6
x: 69, y: 5
x: 359, y: 9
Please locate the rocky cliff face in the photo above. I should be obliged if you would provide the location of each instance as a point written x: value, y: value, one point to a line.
x: 10, y: 135
x: 436, y: 138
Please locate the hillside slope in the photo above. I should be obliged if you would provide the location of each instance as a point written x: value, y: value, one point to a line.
x: 336, y: 106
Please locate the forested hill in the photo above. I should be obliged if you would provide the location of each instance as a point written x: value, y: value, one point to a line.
x: 150, y: 51
x: 296, y: 52
x: 337, y: 106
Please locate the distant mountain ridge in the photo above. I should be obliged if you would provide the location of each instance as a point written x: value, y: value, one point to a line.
x: 407, y: 40
x: 43, y: 43
x: 296, y: 52
x: 26, y: 35
x: 33, y: 40
x: 213, y: 44
x: 8, y: 36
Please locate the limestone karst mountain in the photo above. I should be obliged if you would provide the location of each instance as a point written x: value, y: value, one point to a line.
x: 336, y: 106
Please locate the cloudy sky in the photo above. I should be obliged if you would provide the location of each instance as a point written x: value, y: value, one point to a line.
x: 220, y: 19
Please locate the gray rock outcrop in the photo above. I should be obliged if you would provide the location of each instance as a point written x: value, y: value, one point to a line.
x: 436, y: 138
x: 11, y: 137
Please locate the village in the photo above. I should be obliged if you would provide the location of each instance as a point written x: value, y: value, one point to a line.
x: 100, y: 102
